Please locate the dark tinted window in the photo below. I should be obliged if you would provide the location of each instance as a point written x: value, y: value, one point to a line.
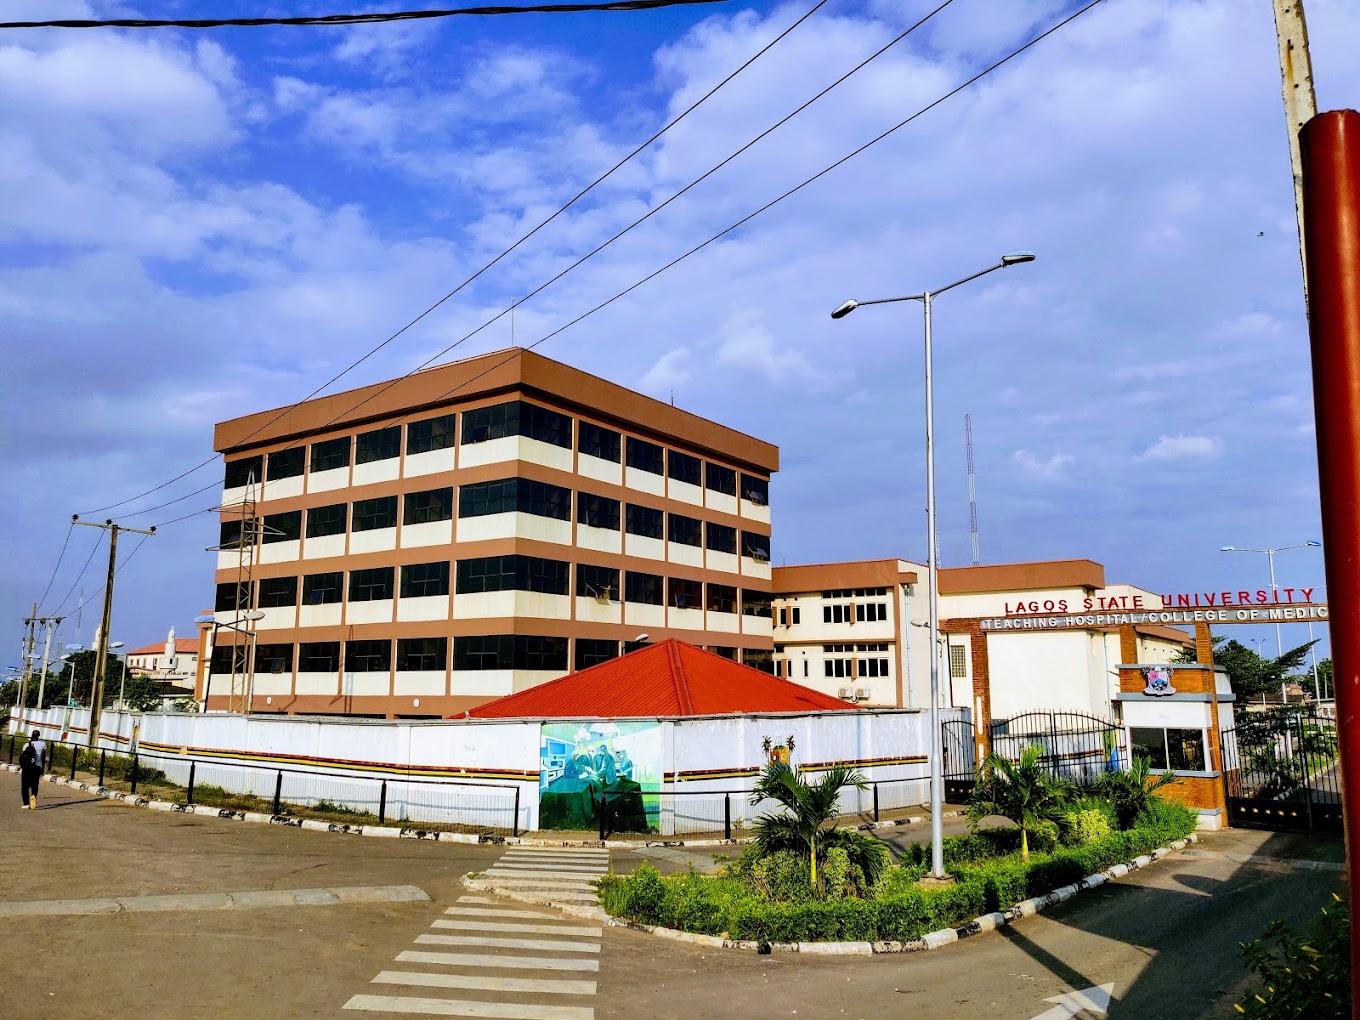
x: 517, y: 418
x: 431, y: 434
x: 597, y: 511
x: 721, y: 538
x: 322, y: 589
x: 229, y: 658
x: 332, y: 454
x: 1149, y: 744
x: 273, y: 658
x: 644, y: 521
x: 722, y: 598
x: 758, y: 658
x: 592, y: 581
x: 591, y: 652
x: 277, y: 591
x: 380, y: 444
x: 755, y: 489
x: 755, y: 603
x: 512, y: 573
x: 371, y: 514
x: 286, y: 464
x: 368, y: 656
x: 426, y: 507
x: 286, y: 527
x: 231, y: 597
x: 720, y: 479
x: 319, y: 657
x: 370, y: 585
x: 509, y: 494
x: 684, y: 594
x: 684, y: 468
x: 422, y: 653
x: 421, y: 579
x: 685, y: 530
x: 506, y: 651
x: 598, y: 441
x: 229, y: 535
x: 242, y: 471
x: 640, y: 587
x: 327, y: 520
x: 646, y: 456
x: 756, y: 546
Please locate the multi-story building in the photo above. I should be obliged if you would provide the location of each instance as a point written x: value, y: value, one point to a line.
x: 174, y: 662
x: 422, y: 546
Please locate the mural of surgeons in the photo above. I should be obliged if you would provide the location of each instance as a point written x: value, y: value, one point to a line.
x: 584, y: 763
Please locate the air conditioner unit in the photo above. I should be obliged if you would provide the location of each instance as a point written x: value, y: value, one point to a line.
x: 846, y: 694
x: 861, y: 694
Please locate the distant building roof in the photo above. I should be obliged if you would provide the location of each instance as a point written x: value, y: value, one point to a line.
x: 669, y: 678
x: 183, y: 646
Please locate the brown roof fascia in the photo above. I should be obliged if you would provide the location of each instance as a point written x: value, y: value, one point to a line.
x: 489, y: 374
x: 1022, y: 577
x: 826, y: 576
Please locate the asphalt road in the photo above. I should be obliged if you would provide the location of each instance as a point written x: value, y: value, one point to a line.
x: 1166, y: 938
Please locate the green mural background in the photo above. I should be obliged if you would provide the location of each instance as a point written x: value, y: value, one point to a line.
x: 580, y: 762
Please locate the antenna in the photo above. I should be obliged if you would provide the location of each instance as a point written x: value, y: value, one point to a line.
x: 972, y: 488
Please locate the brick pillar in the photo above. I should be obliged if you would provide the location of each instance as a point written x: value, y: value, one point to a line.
x: 982, y: 679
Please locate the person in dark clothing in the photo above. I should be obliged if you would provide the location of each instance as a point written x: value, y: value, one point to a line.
x: 32, y: 764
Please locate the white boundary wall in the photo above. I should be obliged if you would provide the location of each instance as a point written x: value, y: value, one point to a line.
x: 470, y: 768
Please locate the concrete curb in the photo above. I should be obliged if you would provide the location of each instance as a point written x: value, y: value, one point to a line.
x: 910, y: 820
x: 929, y: 941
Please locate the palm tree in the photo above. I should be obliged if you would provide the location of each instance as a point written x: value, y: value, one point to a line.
x: 1129, y: 792
x: 802, y: 826
x: 1021, y: 791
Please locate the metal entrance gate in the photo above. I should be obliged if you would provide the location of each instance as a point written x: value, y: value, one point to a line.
x: 1280, y: 771
x: 1075, y: 745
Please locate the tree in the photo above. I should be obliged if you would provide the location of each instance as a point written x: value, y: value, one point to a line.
x: 1252, y: 675
x: 81, y: 664
x: 802, y: 828
x: 1022, y: 791
x: 1324, y: 687
x: 1130, y: 792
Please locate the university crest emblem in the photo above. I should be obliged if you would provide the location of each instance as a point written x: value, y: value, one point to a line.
x: 1158, y: 681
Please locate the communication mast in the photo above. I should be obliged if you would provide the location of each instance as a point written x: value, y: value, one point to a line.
x: 972, y: 488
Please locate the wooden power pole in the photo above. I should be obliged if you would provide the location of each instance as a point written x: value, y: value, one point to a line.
x: 1300, y: 102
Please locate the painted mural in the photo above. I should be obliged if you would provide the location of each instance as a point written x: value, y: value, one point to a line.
x: 581, y: 762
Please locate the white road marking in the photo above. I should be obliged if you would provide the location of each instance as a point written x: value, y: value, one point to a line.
x: 523, y: 929
x: 593, y: 869
x: 544, y: 945
x: 523, y: 986
x: 510, y: 962
x: 492, y: 912
x: 457, y: 1007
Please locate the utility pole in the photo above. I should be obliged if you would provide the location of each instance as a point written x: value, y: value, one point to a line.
x: 27, y: 646
x: 1300, y: 102
x: 51, y: 623
x: 101, y: 652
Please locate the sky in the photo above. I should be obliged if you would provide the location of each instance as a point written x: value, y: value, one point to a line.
x: 202, y: 224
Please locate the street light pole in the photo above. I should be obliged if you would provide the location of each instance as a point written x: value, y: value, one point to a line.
x: 1274, y: 592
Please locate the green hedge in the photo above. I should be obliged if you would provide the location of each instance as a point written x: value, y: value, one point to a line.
x: 987, y: 880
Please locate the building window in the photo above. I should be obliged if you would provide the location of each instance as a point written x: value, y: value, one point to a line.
x: 430, y: 434
x: 597, y: 511
x: 430, y: 653
x: 755, y: 489
x: 319, y: 657
x: 372, y: 514
x: 643, y: 588
x: 419, y: 580
x: 232, y: 597
x: 230, y: 532
x: 722, y: 598
x: 756, y: 546
x: 644, y: 521
x: 758, y: 658
x: 286, y: 464
x: 368, y: 656
x: 513, y: 573
x: 720, y: 479
x: 598, y: 441
x: 515, y: 494
x: 428, y: 507
x: 1178, y: 750
x: 322, y: 589
x: 591, y: 652
x: 873, y: 668
x: 684, y: 468
x: 755, y: 603
x: 835, y: 614
x: 285, y: 527
x: 277, y: 591
x: 646, y: 456
x: 517, y: 418
x: 958, y: 661
x: 245, y: 471
x: 541, y: 653
x: 327, y: 520
x: 797, y: 615
x: 380, y: 444
x: 720, y: 538
x: 273, y: 658
x: 593, y: 581
x: 370, y: 585
x: 685, y: 530
x: 330, y: 455
x: 870, y: 612
x: 510, y: 651
x: 228, y: 658
x: 805, y: 667
x: 724, y: 651
x: 685, y: 594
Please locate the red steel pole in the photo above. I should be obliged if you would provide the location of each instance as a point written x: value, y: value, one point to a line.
x: 1331, y: 207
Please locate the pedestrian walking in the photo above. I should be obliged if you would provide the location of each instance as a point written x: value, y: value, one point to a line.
x: 32, y: 764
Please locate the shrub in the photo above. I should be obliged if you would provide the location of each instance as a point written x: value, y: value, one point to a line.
x: 1085, y: 826
x: 1129, y: 793
x: 1022, y: 791
x: 1301, y: 974
x: 781, y: 877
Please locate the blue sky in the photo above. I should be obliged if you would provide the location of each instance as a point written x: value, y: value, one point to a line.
x: 201, y: 225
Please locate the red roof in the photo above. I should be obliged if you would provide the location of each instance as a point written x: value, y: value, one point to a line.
x: 183, y: 646
x: 669, y: 678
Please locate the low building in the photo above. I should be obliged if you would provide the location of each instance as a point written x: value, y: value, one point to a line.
x: 174, y: 663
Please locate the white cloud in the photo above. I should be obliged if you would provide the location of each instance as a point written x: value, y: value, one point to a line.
x: 669, y: 372
x: 1043, y: 468
x: 746, y: 343
x: 1184, y: 447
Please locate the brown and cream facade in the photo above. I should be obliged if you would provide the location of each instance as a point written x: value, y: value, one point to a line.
x: 423, y: 546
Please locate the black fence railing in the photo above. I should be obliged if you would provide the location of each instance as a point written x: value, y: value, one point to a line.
x: 1280, y: 770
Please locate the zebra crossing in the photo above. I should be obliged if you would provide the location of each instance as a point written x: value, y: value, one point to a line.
x: 518, y: 963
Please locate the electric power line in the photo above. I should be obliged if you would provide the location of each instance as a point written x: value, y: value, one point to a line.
x: 60, y: 556
x: 98, y: 538
x: 378, y: 17
x: 118, y: 569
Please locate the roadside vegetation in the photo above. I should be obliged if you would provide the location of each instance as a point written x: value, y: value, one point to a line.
x: 1301, y: 975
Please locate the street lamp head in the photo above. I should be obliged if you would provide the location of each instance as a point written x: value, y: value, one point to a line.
x: 255, y: 614
x: 845, y: 309
x: 205, y: 618
x: 1313, y: 543
x: 115, y: 644
x: 1014, y: 258
x: 1227, y: 548
x: 642, y: 637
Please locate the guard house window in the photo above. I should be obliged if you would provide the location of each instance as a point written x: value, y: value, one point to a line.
x: 685, y: 594
x: 286, y: 527
x: 241, y: 472
x: 720, y: 538
x: 597, y: 511
x: 277, y: 591
x: 755, y: 489
x: 319, y: 657
x: 431, y: 653
x: 323, y: 589
x: 646, y: 456
x: 685, y: 530
x: 232, y: 597
x: 419, y: 580
x: 517, y: 418
x: 684, y: 468
x: 720, y: 479
x: 327, y: 520
x: 756, y: 546
x: 380, y: 444
x: 431, y: 434
x: 370, y: 585
x: 229, y: 535
x: 870, y: 612
x: 286, y: 464
x: 592, y: 652
x: 755, y: 603
x: 513, y: 573
x: 332, y: 454
x: 273, y: 658
x: 368, y: 656
x: 643, y: 588
x: 594, y: 582
x: 598, y: 441
x: 372, y: 514
x: 722, y: 598
x: 428, y: 506
x: 1178, y: 750
x: 510, y: 494
x: 958, y: 661
x: 644, y: 521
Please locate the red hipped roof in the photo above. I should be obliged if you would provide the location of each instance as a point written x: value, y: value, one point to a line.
x: 669, y: 678
x: 183, y: 646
